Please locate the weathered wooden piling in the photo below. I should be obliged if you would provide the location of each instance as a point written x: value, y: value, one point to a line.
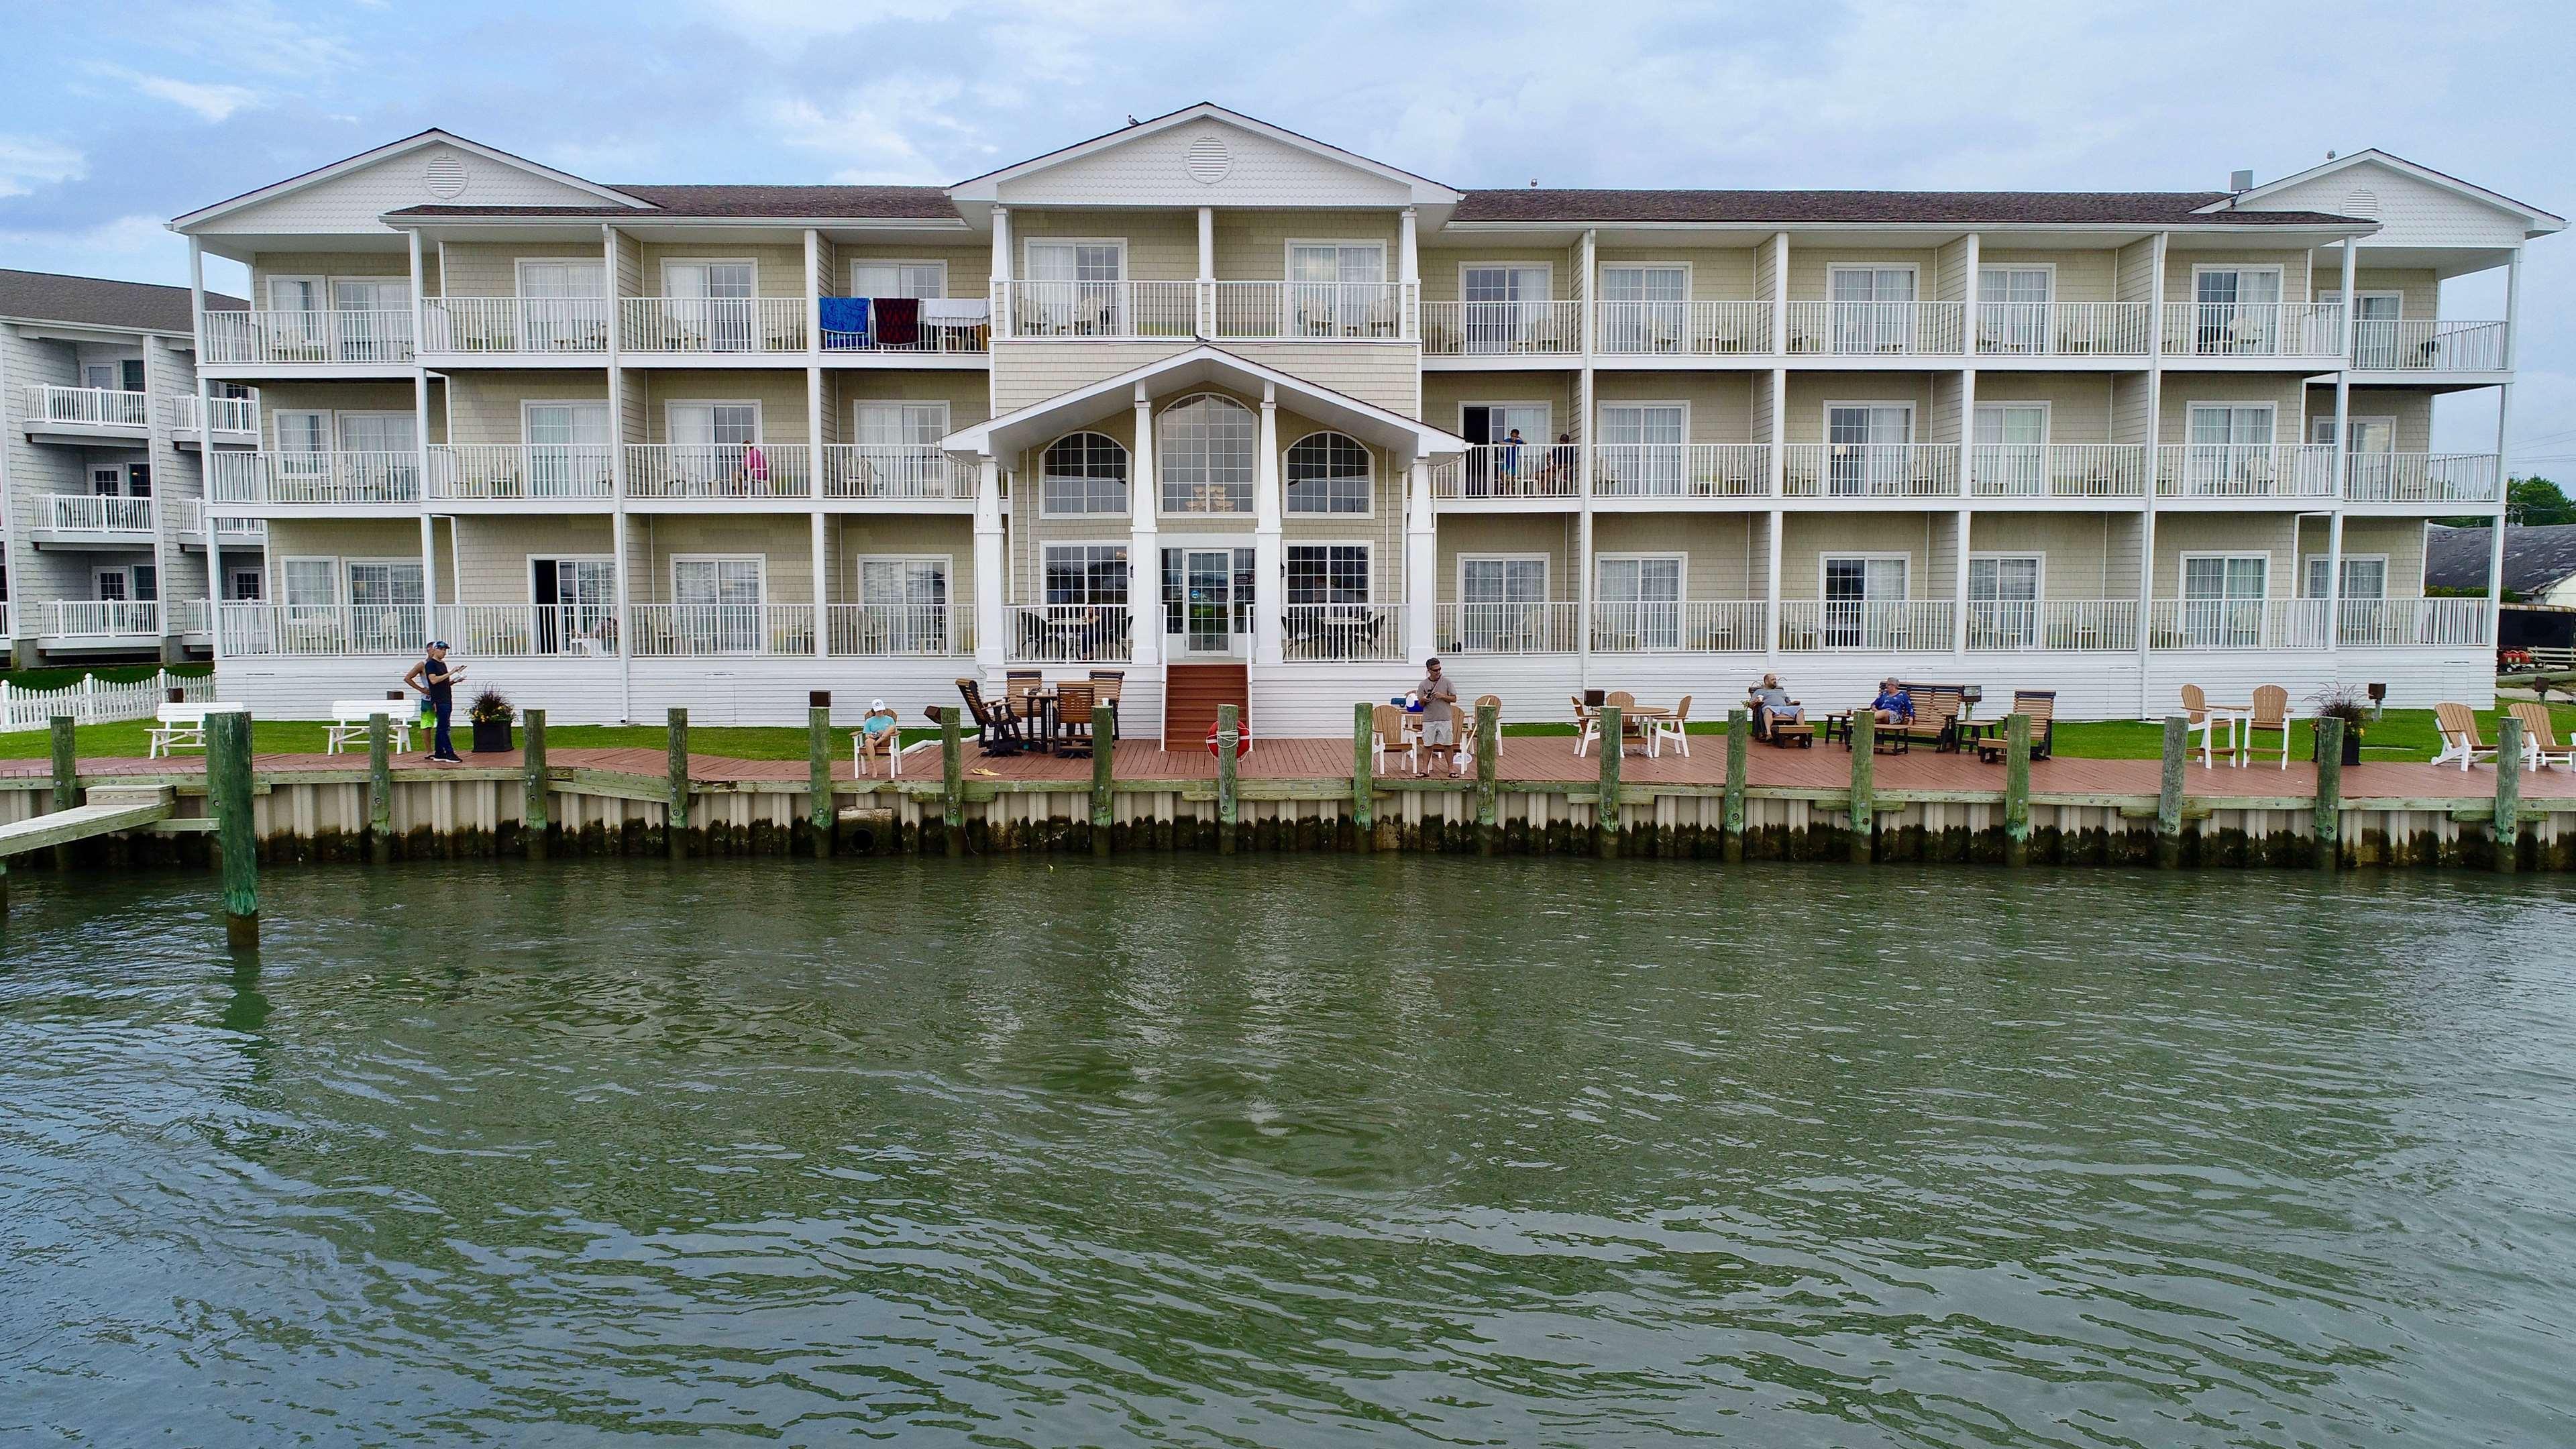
x: 1489, y: 750
x: 228, y: 794
x: 1104, y: 768
x: 1605, y: 813
x: 380, y: 787
x: 952, y: 779
x: 66, y: 778
x: 2506, y: 829
x: 536, y: 812
x: 1739, y: 752
x: 2017, y: 789
x: 2326, y: 828
x: 1228, y: 808
x: 1364, y: 776
x: 675, y: 829
x: 822, y: 815
x: 2169, y: 794
x: 1864, y: 785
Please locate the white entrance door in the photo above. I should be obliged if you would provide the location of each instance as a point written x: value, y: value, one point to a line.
x: 1207, y: 608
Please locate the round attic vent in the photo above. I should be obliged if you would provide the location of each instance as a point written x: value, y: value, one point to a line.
x: 2363, y: 202
x: 445, y: 175
x: 1208, y: 160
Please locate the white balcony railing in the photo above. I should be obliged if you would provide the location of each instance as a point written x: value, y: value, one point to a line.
x: 2107, y: 625
x: 2421, y: 478
x: 1307, y: 311
x: 322, y: 478
x: 522, y: 471
x: 102, y: 619
x: 1871, y: 470
x: 1069, y: 633
x: 1681, y: 470
x: 232, y: 414
x: 1891, y: 625
x: 2232, y: 624
x: 516, y: 630
x: 190, y: 616
x: 880, y: 631
x: 2394, y: 344
x: 718, y: 470
x: 1682, y: 329
x: 1702, y: 626
x: 322, y: 629
x: 518, y: 325
x: 894, y: 470
x: 1883, y: 329
x: 2253, y: 329
x: 287, y: 337
x: 2245, y: 470
x: 88, y: 407
x: 675, y: 630
x: 1502, y: 329
x: 97, y: 513
x: 1326, y: 632
x: 2057, y: 470
x: 1532, y: 628
x: 187, y: 518
x: 2412, y: 623
x: 1103, y: 309
x: 711, y: 324
x: 2065, y: 329
x: 1511, y: 470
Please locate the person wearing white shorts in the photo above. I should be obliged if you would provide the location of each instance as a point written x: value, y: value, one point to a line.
x: 1439, y: 714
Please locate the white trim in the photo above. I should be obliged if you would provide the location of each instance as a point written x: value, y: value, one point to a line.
x: 759, y: 420
x: 850, y: 274
x: 1288, y: 257
x: 1690, y: 278
x: 526, y: 403
x: 1867, y: 556
x: 1679, y: 556
x: 2540, y: 221
x: 2039, y: 582
x: 2047, y: 417
x: 669, y: 262
x: 267, y: 302
x: 1601, y: 404
x: 1916, y: 268
x: 2182, y: 569
x: 1027, y: 242
x: 675, y: 560
x: 1546, y: 569
x: 1546, y: 429
x: 947, y: 578
x: 431, y: 137
x: 1367, y: 547
x: 2281, y: 294
x: 2190, y: 407
x: 941, y: 403
x: 519, y: 273
x: 1163, y: 453
x: 2306, y: 560
x: 1285, y: 511
x: 558, y: 559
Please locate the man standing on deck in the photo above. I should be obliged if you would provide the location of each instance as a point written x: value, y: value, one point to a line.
x: 436, y: 682
x: 1439, y: 700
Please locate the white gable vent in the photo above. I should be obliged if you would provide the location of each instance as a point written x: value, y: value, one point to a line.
x: 1208, y: 160
x: 445, y: 175
x: 2361, y: 202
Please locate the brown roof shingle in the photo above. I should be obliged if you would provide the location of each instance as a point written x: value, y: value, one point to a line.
x: 900, y: 203
x: 2139, y: 208
x: 101, y: 302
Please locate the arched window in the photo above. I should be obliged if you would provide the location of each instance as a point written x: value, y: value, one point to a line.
x: 1083, y: 473
x: 1328, y: 473
x: 1206, y: 454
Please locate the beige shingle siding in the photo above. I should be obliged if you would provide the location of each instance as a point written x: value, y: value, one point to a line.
x: 2085, y: 556
x: 970, y: 268
x: 2411, y: 407
x: 1161, y: 246
x: 1720, y: 560
x: 340, y: 397
x: 2286, y: 393
x: 1446, y: 394
x: 781, y: 395
x: 1811, y: 392
x: 1387, y: 375
x: 1253, y: 246
x: 1442, y: 268
x: 1027, y: 373
x: 1551, y: 534
x: 330, y: 266
x: 853, y: 537
x: 496, y: 551
x: 1811, y: 262
x: 1720, y: 403
x: 2401, y: 539
x: 491, y: 269
x: 966, y: 393
x: 2079, y: 403
x: 2420, y: 288
x: 2273, y: 535
x: 784, y: 542
x: 780, y: 268
x: 2081, y: 276
x: 2135, y: 274
x: 2181, y: 265
x: 489, y: 407
x: 1717, y: 274
x: 2129, y: 396
x: 1923, y: 538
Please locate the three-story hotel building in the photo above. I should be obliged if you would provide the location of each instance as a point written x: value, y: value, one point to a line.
x: 1242, y: 414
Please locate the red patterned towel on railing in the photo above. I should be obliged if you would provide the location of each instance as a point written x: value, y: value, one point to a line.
x: 898, y: 321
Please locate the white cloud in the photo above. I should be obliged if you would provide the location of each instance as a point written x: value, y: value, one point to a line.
x: 213, y: 101
x: 27, y: 162
x: 876, y: 132
x: 138, y: 248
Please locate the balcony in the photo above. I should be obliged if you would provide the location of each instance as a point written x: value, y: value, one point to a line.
x: 1312, y: 633
x: 2422, y: 478
x: 1502, y: 329
x: 1879, y: 626
x: 2253, y: 330
x: 1681, y: 470
x: 523, y: 472
x: 1106, y: 311
x: 2064, y: 329
x: 2092, y: 625
x: 2237, y: 624
x: 2429, y: 345
x: 2411, y: 623
x: 237, y: 416
x: 95, y: 520
x: 2245, y: 470
x: 1682, y: 329
x: 516, y: 326
x: 1876, y: 329
x: 895, y: 470
x: 1871, y: 470
x: 2057, y: 470
x: 711, y: 326
x: 1704, y: 626
x: 321, y: 629
x: 1307, y: 311
x: 374, y: 338
x: 84, y: 622
x: 191, y: 618
x: 187, y: 518
x: 1492, y: 628
x: 718, y: 470
x: 898, y: 631
x: 1509, y: 470
x: 332, y: 480
x: 668, y: 631
x: 1069, y: 633
x: 100, y: 411
x: 517, y: 631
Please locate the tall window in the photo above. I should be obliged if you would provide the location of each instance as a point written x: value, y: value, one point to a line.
x: 2236, y: 309
x: 1075, y: 289
x: 2012, y: 448
x: 1336, y: 573
x: 2012, y: 308
x: 1642, y: 450
x: 1206, y: 455
x: 1640, y: 602
x: 1083, y: 473
x: 2003, y: 601
x: 1328, y: 473
x: 1505, y: 305
x: 1086, y: 573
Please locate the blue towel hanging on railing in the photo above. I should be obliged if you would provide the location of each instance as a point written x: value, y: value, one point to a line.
x: 845, y: 322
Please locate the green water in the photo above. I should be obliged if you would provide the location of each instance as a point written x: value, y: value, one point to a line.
x: 1289, y: 1152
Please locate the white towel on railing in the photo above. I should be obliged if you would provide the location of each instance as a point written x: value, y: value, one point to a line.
x: 955, y: 311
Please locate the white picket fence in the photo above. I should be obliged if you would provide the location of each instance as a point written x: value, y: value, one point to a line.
x: 97, y: 701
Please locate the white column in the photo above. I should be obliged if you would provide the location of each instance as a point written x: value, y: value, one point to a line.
x: 1779, y: 460
x: 205, y: 450
x: 1409, y: 272
x: 420, y: 444
x: 1205, y: 305
x: 1583, y: 583
x: 2495, y: 579
x: 1959, y: 586
x: 2147, y: 706
x: 2512, y: 310
x: 1967, y: 437
x: 814, y: 293
x: 814, y: 463
x: 822, y: 591
x: 2504, y: 475
x: 1001, y: 271
x: 1269, y: 555
x: 1421, y: 631
x: 1771, y: 585
x: 1144, y: 545
x: 989, y: 624
x: 2334, y: 577
x: 1779, y: 291
x: 617, y: 477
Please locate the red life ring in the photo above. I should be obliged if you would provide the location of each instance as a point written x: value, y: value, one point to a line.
x: 1242, y: 740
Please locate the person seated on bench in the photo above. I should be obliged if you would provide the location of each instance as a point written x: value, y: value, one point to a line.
x: 1772, y: 703
x: 1893, y: 705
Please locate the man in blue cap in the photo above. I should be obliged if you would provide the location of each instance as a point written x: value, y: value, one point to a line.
x: 436, y: 683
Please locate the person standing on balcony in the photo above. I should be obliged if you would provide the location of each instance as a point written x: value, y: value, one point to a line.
x: 437, y: 684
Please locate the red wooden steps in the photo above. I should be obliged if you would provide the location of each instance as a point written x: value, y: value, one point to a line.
x: 1191, y: 694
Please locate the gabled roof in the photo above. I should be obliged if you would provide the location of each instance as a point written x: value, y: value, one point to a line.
x: 1202, y: 364
x: 431, y: 137
x: 1956, y: 208
x: 99, y: 302
x: 2536, y: 559
x: 2533, y: 217
x: 906, y: 203
x: 982, y: 188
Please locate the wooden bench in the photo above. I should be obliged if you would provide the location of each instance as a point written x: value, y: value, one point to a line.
x: 1937, y: 708
x: 349, y: 719
x: 180, y: 725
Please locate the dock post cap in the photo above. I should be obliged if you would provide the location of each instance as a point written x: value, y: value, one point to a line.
x: 818, y: 699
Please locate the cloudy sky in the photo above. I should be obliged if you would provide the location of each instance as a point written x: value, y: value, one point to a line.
x: 115, y: 117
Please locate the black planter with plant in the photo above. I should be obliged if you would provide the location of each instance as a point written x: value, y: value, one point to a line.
x: 2344, y: 703
x: 490, y: 715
